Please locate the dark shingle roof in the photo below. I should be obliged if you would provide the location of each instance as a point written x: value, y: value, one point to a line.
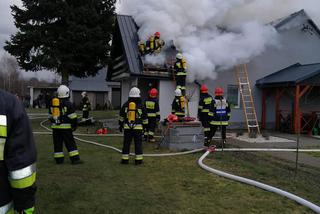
x: 291, y: 76
x: 129, y: 33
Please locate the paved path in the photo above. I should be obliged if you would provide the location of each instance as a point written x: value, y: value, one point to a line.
x: 306, y: 142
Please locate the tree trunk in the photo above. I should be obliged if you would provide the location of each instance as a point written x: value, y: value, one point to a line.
x: 64, y: 77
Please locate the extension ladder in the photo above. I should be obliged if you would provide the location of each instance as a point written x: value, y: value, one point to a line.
x: 247, y: 100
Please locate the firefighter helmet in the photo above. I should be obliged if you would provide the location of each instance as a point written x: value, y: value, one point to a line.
x: 172, y: 118
x: 157, y: 34
x: 218, y: 91
x: 134, y: 92
x: 179, y: 56
x: 83, y: 94
x: 63, y: 91
x: 153, y: 93
x: 204, y: 89
x: 178, y: 92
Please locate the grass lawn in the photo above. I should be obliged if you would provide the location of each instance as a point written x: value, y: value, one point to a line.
x: 166, y: 184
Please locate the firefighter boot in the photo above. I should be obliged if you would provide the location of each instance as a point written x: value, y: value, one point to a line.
x: 138, y: 162
x: 124, y: 161
x: 77, y: 161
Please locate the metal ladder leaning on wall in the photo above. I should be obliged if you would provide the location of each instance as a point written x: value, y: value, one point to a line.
x: 247, y: 100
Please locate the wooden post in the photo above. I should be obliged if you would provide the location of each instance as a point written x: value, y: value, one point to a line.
x: 264, y: 109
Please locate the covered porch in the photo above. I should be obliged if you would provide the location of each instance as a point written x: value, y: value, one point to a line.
x: 296, y: 92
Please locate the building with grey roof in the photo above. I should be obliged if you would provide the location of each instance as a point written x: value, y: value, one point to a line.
x: 299, y: 40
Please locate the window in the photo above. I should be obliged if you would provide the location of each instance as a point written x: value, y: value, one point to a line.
x: 233, y: 96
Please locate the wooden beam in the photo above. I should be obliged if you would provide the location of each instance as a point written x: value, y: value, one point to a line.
x: 297, y: 119
x: 306, y: 88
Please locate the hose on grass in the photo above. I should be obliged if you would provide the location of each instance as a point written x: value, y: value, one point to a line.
x: 260, y: 185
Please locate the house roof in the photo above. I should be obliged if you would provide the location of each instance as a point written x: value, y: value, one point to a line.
x: 93, y: 84
x: 126, y: 60
x: 286, y: 20
x: 291, y: 76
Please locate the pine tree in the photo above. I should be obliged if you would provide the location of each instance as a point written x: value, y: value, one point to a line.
x: 70, y: 37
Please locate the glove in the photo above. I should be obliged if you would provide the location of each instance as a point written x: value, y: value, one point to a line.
x: 121, y: 128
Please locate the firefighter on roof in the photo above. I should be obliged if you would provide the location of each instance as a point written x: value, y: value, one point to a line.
x: 153, y: 111
x: 178, y: 104
x: 221, y: 113
x: 133, y: 119
x: 180, y: 68
x: 17, y: 158
x: 64, y: 122
x: 154, y: 44
x: 203, y: 113
x: 86, y: 106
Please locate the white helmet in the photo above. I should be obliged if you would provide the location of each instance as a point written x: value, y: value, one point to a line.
x: 178, y: 92
x: 134, y: 92
x: 83, y: 94
x: 63, y: 91
x: 179, y: 56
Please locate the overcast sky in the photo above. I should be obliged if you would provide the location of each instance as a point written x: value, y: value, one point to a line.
x: 7, y: 28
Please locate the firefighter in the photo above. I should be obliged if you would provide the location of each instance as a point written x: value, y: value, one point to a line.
x: 203, y: 113
x: 142, y: 48
x: 221, y: 113
x: 180, y: 68
x: 153, y: 111
x: 154, y: 44
x: 178, y: 104
x: 17, y: 157
x: 133, y: 119
x: 64, y: 122
x: 86, y: 106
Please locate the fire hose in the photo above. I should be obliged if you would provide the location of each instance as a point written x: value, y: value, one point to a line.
x: 260, y: 185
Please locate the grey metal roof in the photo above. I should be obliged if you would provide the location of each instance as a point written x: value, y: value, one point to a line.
x: 291, y: 76
x: 93, y: 84
x: 130, y: 39
x: 301, y: 13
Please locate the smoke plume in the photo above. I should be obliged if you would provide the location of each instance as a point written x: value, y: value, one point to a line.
x: 214, y: 35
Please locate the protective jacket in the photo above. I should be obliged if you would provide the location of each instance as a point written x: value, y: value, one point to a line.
x: 180, y: 67
x: 220, y: 111
x: 204, y: 107
x: 178, y: 106
x: 67, y: 118
x: 152, y: 107
x: 86, y: 104
x: 133, y: 108
x: 17, y: 157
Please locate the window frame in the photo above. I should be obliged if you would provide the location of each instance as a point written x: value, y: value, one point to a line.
x: 238, y: 105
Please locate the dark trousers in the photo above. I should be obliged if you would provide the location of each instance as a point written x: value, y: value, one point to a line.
x: 65, y: 136
x: 181, y: 81
x: 223, y: 131
x: 129, y: 135
x: 152, y: 124
x: 207, y: 131
x: 85, y: 114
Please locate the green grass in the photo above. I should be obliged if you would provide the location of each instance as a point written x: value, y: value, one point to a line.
x: 164, y: 185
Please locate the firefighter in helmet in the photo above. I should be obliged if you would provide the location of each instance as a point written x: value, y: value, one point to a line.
x: 220, y: 112
x: 180, y: 68
x: 64, y: 122
x: 133, y: 119
x: 17, y: 157
x: 153, y: 111
x: 154, y: 44
x: 178, y: 104
x: 86, y: 106
x: 203, y: 113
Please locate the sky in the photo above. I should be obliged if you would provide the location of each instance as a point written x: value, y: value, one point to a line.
x: 7, y: 28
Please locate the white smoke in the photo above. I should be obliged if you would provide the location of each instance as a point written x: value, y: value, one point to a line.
x: 196, y: 28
